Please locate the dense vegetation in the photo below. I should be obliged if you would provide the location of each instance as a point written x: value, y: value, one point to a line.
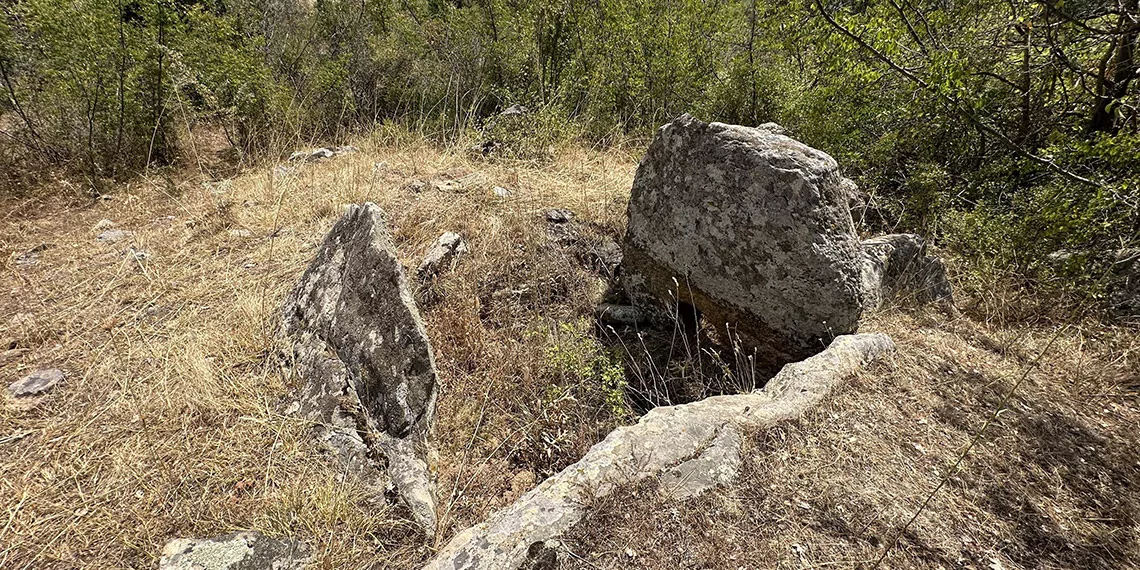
x: 1006, y: 128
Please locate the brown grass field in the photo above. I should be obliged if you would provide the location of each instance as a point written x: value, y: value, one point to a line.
x: 170, y: 424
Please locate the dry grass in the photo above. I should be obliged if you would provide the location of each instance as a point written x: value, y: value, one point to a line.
x: 170, y: 421
x: 1055, y: 482
x: 170, y: 424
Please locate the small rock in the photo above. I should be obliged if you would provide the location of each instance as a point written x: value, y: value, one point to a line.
x: 239, y: 550
x: 103, y: 224
x: 112, y: 236
x: 311, y: 155
x: 36, y: 383
x: 446, y: 186
x: 315, y: 154
x: 32, y: 256
x: 501, y: 192
x: 624, y: 315
x: 559, y: 216
x: 416, y: 186
x: 447, y: 247
x: 12, y: 354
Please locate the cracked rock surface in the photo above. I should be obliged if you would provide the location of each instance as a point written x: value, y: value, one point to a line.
x: 365, y: 362
x: 692, y: 448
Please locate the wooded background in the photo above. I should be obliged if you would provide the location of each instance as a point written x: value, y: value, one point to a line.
x: 1005, y: 129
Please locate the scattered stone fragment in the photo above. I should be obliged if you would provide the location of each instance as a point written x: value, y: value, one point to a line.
x: 115, y: 235
x: 749, y: 227
x: 32, y: 256
x: 897, y: 268
x: 235, y: 551
x: 103, y: 224
x: 691, y: 448
x: 311, y: 155
x: 622, y: 315
x: 559, y: 216
x: 138, y: 254
x: 446, y: 186
x: 449, y: 246
x: 501, y: 192
x: 361, y: 351
x: 36, y: 383
x: 13, y: 354
x: 315, y: 154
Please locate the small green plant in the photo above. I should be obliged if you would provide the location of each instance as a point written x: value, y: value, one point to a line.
x: 589, y: 371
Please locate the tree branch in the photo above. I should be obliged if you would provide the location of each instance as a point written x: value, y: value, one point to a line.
x: 955, y: 104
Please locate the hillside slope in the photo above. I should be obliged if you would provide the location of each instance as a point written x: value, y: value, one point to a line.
x: 170, y: 420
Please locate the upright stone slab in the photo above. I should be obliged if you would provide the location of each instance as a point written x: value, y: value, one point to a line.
x: 750, y: 227
x: 369, y: 382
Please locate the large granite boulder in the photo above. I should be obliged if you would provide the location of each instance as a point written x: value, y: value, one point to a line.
x: 751, y: 228
x: 365, y: 362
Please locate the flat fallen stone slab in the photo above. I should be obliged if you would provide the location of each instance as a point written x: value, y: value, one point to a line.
x: 235, y: 551
x: 36, y: 383
x: 691, y: 448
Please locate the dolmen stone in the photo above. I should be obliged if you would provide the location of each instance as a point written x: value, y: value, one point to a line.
x: 37, y: 383
x: 367, y: 371
x: 235, y: 551
x: 689, y: 449
x: 752, y: 229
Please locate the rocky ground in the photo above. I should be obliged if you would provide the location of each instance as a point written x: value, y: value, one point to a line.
x: 159, y: 304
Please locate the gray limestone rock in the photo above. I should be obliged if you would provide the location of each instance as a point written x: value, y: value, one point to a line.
x: 235, y: 551
x: 750, y: 227
x: 369, y: 382
x: 449, y: 246
x: 559, y: 216
x: 691, y: 448
x: 315, y: 154
x: 115, y: 235
x: 896, y: 268
x: 36, y: 383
